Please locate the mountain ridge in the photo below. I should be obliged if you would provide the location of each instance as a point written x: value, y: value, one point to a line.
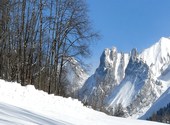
x: 105, y: 81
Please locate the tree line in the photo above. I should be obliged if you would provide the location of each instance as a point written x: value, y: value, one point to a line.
x: 162, y: 115
x: 38, y: 38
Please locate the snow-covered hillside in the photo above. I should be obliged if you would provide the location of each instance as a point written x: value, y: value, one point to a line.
x: 157, y: 56
x: 159, y: 60
x: 27, y: 106
x: 160, y: 103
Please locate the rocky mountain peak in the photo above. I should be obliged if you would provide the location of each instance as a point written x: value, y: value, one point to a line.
x: 134, y: 54
x: 108, y: 57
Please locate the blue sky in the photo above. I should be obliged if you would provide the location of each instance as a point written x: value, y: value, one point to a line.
x: 128, y: 24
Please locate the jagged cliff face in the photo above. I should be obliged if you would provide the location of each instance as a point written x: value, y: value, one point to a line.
x: 112, y: 65
x: 108, y: 75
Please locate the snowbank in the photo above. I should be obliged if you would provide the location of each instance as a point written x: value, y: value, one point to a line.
x: 28, y: 106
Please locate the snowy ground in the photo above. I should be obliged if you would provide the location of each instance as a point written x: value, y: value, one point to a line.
x: 10, y: 115
x: 27, y: 106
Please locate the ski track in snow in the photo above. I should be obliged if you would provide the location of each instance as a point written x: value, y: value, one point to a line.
x: 10, y: 115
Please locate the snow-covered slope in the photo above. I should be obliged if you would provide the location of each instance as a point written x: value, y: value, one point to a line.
x: 26, y: 106
x: 108, y: 75
x: 137, y: 90
x: 12, y: 115
x: 157, y: 56
x: 159, y: 61
x: 160, y: 103
x: 164, y: 79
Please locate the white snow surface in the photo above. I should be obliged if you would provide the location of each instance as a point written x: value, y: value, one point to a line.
x: 123, y: 94
x: 160, y: 103
x: 27, y: 106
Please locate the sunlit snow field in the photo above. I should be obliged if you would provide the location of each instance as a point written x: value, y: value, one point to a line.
x: 27, y: 106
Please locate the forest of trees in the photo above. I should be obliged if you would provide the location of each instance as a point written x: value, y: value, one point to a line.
x: 38, y: 37
x: 163, y: 115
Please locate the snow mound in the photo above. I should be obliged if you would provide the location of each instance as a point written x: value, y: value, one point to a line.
x: 28, y: 106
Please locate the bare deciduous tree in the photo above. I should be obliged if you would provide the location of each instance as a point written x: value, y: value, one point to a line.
x: 39, y: 37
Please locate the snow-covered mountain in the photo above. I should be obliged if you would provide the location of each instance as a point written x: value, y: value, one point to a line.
x: 137, y: 90
x: 135, y: 80
x: 74, y: 77
x: 27, y: 106
x: 160, y: 66
x: 108, y: 75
